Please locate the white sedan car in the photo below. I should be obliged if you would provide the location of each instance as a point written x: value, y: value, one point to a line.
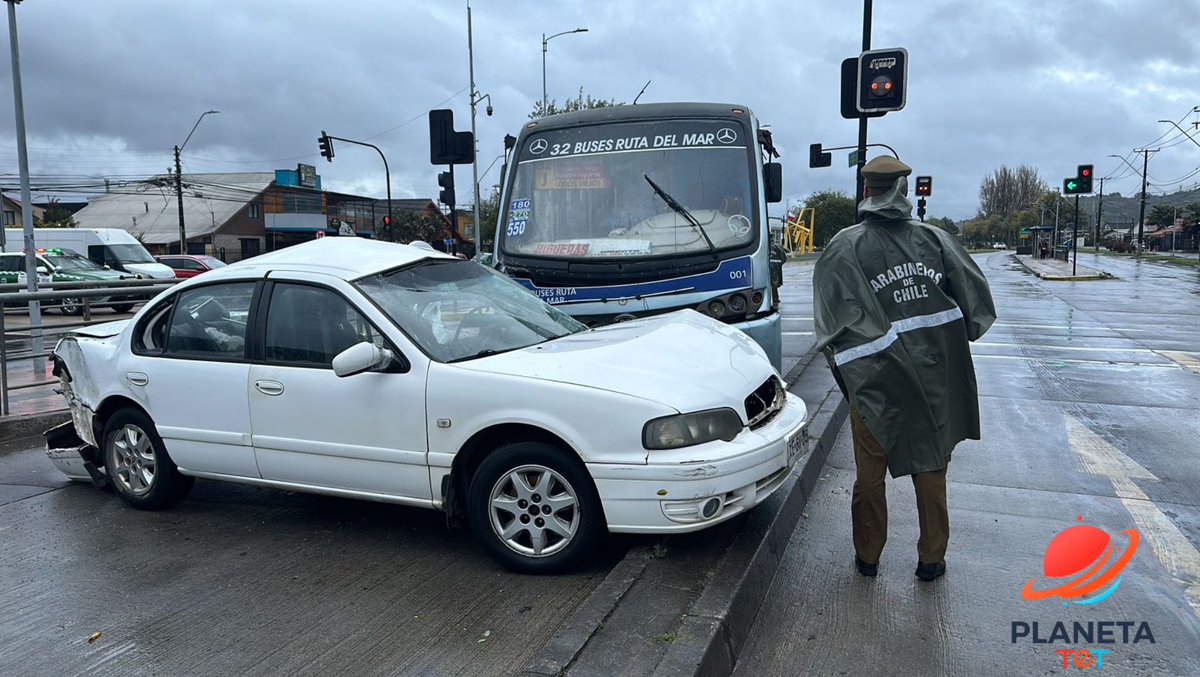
x: 390, y: 373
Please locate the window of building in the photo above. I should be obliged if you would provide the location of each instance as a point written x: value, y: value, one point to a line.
x: 254, y: 211
x: 10, y: 217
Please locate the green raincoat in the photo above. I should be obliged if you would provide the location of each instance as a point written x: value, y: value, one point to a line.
x: 895, y: 303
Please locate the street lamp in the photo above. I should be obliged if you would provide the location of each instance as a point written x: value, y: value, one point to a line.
x: 1189, y: 136
x: 179, y: 180
x: 544, y: 41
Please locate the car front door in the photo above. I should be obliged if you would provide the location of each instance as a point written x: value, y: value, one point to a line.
x: 363, y: 433
x: 189, y: 369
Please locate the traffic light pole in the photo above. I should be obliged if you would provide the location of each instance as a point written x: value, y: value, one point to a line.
x: 1099, y: 209
x: 862, y: 117
x: 386, y: 172
x: 1075, y: 237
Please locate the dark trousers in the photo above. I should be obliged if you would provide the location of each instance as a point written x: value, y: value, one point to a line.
x: 868, y: 507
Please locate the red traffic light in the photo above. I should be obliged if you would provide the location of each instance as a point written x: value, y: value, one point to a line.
x: 1086, y: 172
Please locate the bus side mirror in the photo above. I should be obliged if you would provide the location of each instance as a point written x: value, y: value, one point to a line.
x: 773, y: 181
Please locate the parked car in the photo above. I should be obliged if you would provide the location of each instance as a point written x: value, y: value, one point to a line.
x: 188, y: 265
x: 57, y: 265
x: 365, y: 369
x: 999, y: 245
x: 112, y: 247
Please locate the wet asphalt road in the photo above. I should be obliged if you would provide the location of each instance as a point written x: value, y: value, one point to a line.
x: 242, y: 580
x: 1090, y: 393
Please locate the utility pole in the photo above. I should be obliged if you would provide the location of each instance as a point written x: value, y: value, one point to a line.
x: 179, y: 200
x: 1099, y: 209
x: 35, y: 308
x: 474, y: 138
x: 1075, y: 237
x: 1142, y: 210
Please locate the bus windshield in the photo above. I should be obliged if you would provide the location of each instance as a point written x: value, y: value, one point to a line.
x: 590, y: 192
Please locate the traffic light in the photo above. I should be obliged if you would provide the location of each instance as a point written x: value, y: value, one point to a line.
x: 1084, y: 174
x: 326, y: 145
x: 817, y: 158
x: 924, y: 186
x: 1081, y: 184
x: 882, y: 74
x: 446, y: 181
x: 387, y: 223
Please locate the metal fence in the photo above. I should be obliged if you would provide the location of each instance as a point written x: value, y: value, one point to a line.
x: 23, y: 344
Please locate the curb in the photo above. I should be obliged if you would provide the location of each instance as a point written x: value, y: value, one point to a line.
x: 714, y: 627
x: 1101, y: 275
x: 32, y: 425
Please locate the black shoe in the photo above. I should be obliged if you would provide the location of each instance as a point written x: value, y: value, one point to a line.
x: 865, y: 569
x: 931, y: 572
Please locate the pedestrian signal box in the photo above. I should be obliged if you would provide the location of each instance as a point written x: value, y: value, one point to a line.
x: 924, y: 186
x: 882, y: 76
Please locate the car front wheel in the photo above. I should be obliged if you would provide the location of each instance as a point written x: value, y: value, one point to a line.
x: 535, y: 508
x: 71, y: 306
x: 137, y: 463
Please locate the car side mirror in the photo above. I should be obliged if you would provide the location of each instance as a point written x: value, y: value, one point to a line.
x: 360, y: 357
x: 41, y: 270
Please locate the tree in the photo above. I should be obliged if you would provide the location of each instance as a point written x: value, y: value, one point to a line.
x: 489, y: 214
x: 571, y: 105
x: 1162, y: 216
x: 57, y: 216
x: 411, y: 225
x: 1008, y: 191
x: 945, y: 223
x: 833, y: 211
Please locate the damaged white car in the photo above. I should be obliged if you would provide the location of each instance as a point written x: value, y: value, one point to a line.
x: 385, y: 372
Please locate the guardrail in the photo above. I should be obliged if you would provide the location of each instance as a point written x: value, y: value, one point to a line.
x: 13, y: 297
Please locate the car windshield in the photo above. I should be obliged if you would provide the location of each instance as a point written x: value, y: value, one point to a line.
x: 212, y: 263
x: 131, y: 253
x: 458, y: 310
x: 589, y: 192
x: 73, y: 263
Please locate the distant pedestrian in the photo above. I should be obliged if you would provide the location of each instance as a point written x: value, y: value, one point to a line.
x: 1043, y: 249
x: 896, y: 303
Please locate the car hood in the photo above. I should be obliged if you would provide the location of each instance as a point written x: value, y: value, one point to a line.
x: 77, y: 275
x: 683, y: 360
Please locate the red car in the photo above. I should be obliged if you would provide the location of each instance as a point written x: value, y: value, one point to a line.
x: 188, y: 265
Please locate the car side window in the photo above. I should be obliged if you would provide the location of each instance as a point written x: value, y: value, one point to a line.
x: 210, y: 322
x: 13, y: 264
x: 308, y: 326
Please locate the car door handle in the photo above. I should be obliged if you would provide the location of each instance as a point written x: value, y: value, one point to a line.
x: 269, y: 387
x: 137, y: 378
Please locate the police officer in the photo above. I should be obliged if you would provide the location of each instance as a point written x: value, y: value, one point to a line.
x: 896, y: 303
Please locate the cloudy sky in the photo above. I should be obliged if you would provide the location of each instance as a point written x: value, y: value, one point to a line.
x: 111, y: 86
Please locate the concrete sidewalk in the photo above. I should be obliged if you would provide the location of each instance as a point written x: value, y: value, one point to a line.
x: 1054, y: 269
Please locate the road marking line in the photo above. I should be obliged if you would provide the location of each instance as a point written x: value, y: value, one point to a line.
x: 1072, y: 360
x: 1046, y: 347
x: 1186, y: 360
x: 1174, y: 551
x: 797, y: 333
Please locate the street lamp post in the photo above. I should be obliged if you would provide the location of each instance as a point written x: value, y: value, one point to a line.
x: 545, y: 40
x: 476, y: 97
x: 179, y: 180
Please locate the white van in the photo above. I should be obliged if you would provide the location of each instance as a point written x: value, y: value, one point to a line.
x: 110, y: 247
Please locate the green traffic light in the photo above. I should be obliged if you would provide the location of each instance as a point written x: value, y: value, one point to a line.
x: 1071, y: 185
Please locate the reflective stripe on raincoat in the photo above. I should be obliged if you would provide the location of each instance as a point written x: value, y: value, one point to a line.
x: 895, y: 304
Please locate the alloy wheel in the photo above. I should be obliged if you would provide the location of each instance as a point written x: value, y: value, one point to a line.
x: 534, y: 510
x: 136, y: 464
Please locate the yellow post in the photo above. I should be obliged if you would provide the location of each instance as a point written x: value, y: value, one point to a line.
x: 798, y: 231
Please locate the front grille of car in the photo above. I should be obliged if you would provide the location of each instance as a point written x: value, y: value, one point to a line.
x: 764, y: 403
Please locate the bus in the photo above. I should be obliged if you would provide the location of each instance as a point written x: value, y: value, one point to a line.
x: 628, y: 211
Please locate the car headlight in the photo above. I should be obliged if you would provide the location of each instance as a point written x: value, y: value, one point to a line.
x: 684, y: 430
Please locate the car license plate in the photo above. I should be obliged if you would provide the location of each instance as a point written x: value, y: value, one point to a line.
x: 797, y: 446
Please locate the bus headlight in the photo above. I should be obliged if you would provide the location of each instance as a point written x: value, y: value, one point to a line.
x: 685, y: 430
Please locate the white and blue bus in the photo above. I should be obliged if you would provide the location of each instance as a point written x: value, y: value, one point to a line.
x: 628, y: 211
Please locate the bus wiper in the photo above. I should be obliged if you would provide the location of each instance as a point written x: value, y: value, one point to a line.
x: 682, y: 211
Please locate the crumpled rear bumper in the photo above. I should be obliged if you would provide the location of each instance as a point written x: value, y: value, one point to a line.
x: 73, y: 457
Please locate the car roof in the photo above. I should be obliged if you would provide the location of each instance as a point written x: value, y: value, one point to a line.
x: 348, y: 258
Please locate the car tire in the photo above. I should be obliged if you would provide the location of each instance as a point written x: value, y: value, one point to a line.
x: 71, y: 306
x: 122, y: 307
x: 137, y: 464
x: 519, y: 479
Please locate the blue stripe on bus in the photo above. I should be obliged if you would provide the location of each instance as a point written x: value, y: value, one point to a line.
x: 730, y: 275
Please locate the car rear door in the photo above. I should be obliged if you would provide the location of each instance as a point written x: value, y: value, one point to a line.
x: 363, y: 433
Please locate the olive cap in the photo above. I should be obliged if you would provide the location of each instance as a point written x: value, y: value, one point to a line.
x: 881, y: 172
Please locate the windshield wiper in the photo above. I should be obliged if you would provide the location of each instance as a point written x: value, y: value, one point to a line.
x: 682, y: 211
x: 483, y: 353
